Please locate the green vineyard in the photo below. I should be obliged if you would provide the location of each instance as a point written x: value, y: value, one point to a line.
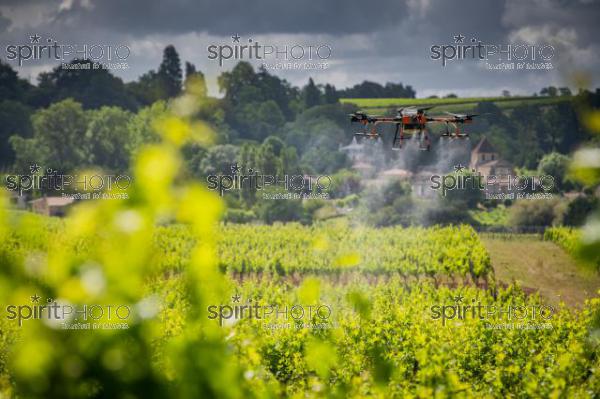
x: 565, y: 237
x: 320, y: 339
x: 285, y: 249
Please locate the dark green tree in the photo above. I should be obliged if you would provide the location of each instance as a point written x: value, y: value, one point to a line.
x: 248, y: 158
x: 11, y: 86
x: 14, y: 120
x: 236, y: 83
x: 330, y: 95
x: 280, y: 210
x: 58, y: 140
x: 108, y: 139
x: 555, y: 165
x: 579, y: 209
x: 194, y: 77
x: 565, y: 91
x: 169, y: 71
x: 92, y: 88
x: 550, y: 91
x: 219, y: 159
x: 268, y: 155
x: 311, y: 95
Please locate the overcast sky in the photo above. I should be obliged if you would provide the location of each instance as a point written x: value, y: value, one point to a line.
x: 377, y: 40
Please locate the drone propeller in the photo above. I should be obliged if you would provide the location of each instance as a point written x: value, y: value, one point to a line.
x: 362, y: 117
x: 358, y: 117
x: 462, y: 116
x: 415, y: 109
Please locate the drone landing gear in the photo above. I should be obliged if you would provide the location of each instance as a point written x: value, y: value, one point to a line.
x: 367, y: 136
x: 424, y: 142
x: 398, y: 139
x: 456, y: 135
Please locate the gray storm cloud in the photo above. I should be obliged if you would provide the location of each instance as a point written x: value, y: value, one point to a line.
x: 379, y: 40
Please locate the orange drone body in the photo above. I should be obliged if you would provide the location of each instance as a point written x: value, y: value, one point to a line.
x: 410, y: 121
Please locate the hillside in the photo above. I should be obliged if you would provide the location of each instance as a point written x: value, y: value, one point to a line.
x: 450, y: 104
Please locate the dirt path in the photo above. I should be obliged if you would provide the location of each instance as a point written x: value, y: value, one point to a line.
x: 541, y: 265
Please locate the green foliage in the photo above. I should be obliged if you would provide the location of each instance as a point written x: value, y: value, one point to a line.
x: 279, y: 210
x: 414, y: 251
x: 566, y: 237
x: 233, y: 215
x: 142, y: 125
x: 344, y: 183
x: 14, y: 120
x: 579, y: 209
x: 162, y: 84
x: 58, y: 137
x: 372, y: 90
x: 536, y: 213
x: 383, y: 340
x: 218, y: 160
x: 170, y: 71
x: 330, y: 95
x: 66, y: 137
x: 11, y: 86
x: 258, y: 120
x: 257, y: 104
x: 388, y: 205
x: 393, y: 204
x: 468, y: 197
x: 586, y: 169
x: 108, y: 139
x: 555, y: 165
x: 172, y: 354
x: 316, y: 136
x: 311, y: 95
x: 93, y: 88
x: 497, y: 216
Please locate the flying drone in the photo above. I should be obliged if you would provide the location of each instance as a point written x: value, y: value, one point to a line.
x: 412, y: 121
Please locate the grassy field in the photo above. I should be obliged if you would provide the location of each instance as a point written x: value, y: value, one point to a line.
x: 449, y: 104
x: 541, y: 265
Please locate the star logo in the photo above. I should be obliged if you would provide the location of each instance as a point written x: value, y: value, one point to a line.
x: 459, y: 168
x: 35, y: 298
x: 236, y: 38
x: 235, y: 169
x: 458, y: 298
x: 34, y: 168
x: 459, y: 38
x: 35, y: 38
x: 236, y: 298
